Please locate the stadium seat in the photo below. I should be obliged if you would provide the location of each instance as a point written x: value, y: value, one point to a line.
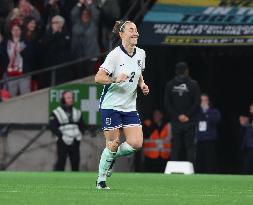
x: 179, y: 167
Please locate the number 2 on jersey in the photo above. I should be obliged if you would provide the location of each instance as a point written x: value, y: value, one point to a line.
x: 132, y: 77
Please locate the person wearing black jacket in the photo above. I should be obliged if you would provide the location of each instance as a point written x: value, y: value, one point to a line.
x: 246, y: 123
x: 207, y: 136
x: 67, y: 124
x: 181, y: 101
x: 56, y: 50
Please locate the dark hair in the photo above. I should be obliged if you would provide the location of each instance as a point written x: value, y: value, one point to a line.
x: 181, y: 68
x: 208, y: 96
x: 27, y: 20
x: 11, y: 27
x: 13, y: 24
x: 204, y: 94
x: 62, y: 101
x: 85, y: 9
x: 119, y: 26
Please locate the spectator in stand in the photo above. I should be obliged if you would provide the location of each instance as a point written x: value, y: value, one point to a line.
x: 84, y: 35
x: 30, y: 29
x: 27, y: 9
x: 14, y: 17
x: 15, y: 58
x: 53, y: 8
x: 247, y: 125
x: 56, y: 47
x: 109, y: 13
x: 207, y: 137
x: 24, y: 9
x: 156, y: 146
x: 31, y: 35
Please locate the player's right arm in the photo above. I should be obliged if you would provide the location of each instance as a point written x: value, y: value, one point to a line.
x: 105, y: 74
x: 102, y: 77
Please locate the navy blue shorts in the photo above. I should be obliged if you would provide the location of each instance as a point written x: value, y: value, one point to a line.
x: 113, y: 119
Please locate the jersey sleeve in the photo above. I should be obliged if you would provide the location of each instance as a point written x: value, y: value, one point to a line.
x: 110, y: 63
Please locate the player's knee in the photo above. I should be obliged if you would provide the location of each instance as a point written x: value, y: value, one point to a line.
x: 113, y: 144
x: 136, y: 144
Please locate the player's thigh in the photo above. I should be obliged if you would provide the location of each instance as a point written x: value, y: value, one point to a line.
x: 132, y: 129
x: 130, y: 119
x: 134, y: 136
x: 111, y: 123
x: 111, y: 120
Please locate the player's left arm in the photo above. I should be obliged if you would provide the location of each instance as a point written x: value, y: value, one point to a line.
x: 143, y: 86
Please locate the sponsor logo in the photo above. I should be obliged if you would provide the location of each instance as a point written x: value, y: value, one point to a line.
x: 180, y: 89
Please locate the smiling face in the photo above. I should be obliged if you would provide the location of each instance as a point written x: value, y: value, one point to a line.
x: 129, y: 35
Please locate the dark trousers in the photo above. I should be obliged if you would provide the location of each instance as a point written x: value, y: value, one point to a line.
x: 183, y: 142
x: 206, y: 159
x: 63, y: 151
x: 248, y: 161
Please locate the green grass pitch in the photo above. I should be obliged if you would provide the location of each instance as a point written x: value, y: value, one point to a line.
x: 29, y: 188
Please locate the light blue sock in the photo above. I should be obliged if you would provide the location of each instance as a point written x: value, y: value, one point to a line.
x: 124, y: 150
x: 104, y: 164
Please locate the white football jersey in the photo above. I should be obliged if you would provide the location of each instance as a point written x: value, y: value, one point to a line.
x: 122, y: 96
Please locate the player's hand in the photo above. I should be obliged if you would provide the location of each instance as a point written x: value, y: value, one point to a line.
x: 145, y: 89
x: 121, y: 78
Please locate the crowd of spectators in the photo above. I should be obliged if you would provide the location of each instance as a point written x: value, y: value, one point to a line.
x: 44, y: 33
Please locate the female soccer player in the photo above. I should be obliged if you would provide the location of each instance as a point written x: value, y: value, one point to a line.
x: 120, y: 74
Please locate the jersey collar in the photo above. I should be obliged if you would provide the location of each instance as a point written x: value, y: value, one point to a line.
x: 124, y: 50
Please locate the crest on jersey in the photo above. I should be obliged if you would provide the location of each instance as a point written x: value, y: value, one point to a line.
x: 139, y: 63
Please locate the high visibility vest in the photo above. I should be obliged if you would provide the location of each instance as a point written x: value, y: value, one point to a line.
x: 158, y: 144
x: 70, y: 130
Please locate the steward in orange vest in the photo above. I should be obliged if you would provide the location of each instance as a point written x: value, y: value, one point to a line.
x: 157, y: 145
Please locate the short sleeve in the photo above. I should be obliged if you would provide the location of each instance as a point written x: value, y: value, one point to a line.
x: 109, y: 64
x: 143, y: 61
